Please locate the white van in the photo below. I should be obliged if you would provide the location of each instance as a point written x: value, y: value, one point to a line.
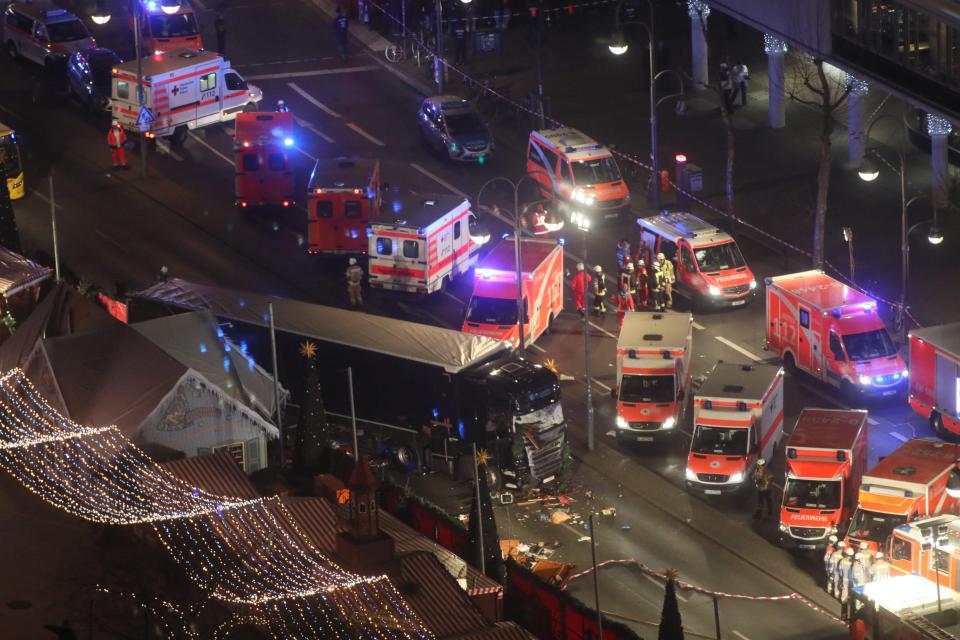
x: 43, y: 33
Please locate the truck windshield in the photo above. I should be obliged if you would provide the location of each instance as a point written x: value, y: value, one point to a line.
x: 536, y: 399
x: 67, y: 31
x: 719, y: 440
x: 9, y: 156
x: 719, y: 257
x: 596, y: 171
x: 646, y: 389
x: 873, y: 526
x: 811, y: 494
x: 182, y: 24
x: 869, y: 345
x: 492, y: 310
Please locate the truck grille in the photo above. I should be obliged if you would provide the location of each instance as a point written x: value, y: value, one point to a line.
x: 644, y: 426
x: 737, y: 290
x: 546, y: 458
x: 609, y: 204
x: 808, y: 533
x: 712, y: 477
x: 479, y: 146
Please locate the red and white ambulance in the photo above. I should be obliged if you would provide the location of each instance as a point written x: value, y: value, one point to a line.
x: 653, y: 374
x: 908, y: 484
x: 826, y: 457
x: 163, y: 31
x: 184, y: 89
x: 343, y: 198
x: 424, y: 247
x: 832, y: 331
x: 262, y: 146
x: 710, y: 270
x: 492, y: 311
x: 737, y: 420
x: 935, y: 376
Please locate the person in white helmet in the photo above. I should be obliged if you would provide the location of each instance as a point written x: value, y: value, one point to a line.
x: 881, y: 568
x: 669, y: 277
x: 355, y: 283
x: 834, y: 569
x: 116, y: 138
x: 281, y: 107
x: 763, y: 481
x: 599, y: 291
x: 860, y: 569
x: 845, y: 571
x: 827, y: 562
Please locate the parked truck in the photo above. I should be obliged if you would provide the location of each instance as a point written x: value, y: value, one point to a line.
x: 262, y: 148
x: 826, y: 457
x: 492, y: 310
x: 426, y: 393
x: 935, y: 377
x: 737, y: 420
x: 343, y: 198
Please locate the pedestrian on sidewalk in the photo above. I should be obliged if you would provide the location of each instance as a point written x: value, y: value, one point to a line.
x: 763, y: 480
x: 355, y: 283
x: 220, y: 26
x: 579, y: 283
x: 726, y: 86
x: 624, y: 302
x: 341, y: 27
x: 116, y: 139
x: 599, y: 291
x: 740, y: 76
x: 669, y: 277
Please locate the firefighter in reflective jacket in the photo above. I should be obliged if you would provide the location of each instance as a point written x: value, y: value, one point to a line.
x: 834, y: 569
x: 642, y: 278
x: 624, y: 302
x: 880, y: 569
x: 116, y: 138
x: 845, y: 571
x: 599, y: 291
x: 828, y: 562
x: 354, y: 276
x: 538, y: 220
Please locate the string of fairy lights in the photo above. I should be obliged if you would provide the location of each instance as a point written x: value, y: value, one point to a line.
x: 242, y: 552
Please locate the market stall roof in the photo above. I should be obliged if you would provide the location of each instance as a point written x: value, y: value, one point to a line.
x: 217, y: 473
x: 452, y: 350
x: 18, y: 273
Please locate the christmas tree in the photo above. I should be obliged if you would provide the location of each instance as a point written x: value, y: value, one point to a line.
x: 312, y: 426
x: 481, y: 515
x: 9, y: 234
x: 671, y: 627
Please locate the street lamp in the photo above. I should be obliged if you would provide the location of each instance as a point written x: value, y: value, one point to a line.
x: 582, y: 222
x: 100, y: 15
x: 170, y: 7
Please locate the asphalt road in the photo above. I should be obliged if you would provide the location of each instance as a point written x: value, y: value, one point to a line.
x: 116, y: 227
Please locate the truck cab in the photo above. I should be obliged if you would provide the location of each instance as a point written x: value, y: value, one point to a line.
x: 161, y: 30
x: 935, y: 377
x: 343, y: 197
x: 262, y: 145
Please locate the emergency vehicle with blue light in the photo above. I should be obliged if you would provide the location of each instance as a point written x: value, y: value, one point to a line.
x: 709, y: 268
x: 263, y: 145
x: 43, y: 33
x: 492, y: 310
x: 737, y: 420
x: 343, y: 198
x: 578, y: 171
x: 184, y: 89
x: 653, y: 374
x: 165, y: 27
x: 423, y: 246
x: 832, y: 332
x: 935, y: 377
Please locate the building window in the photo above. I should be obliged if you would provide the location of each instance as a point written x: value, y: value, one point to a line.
x: 234, y: 449
x: 361, y: 507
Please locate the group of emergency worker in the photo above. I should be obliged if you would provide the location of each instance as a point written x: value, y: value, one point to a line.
x: 847, y: 569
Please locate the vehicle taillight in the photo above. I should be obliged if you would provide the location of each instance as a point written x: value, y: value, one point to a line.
x: 286, y: 203
x: 243, y: 204
x: 151, y: 135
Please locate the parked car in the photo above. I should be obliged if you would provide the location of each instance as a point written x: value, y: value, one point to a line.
x: 452, y: 126
x: 89, y: 77
x: 43, y: 33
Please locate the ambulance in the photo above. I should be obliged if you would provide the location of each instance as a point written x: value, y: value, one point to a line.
x: 908, y: 484
x: 653, y: 374
x: 262, y: 146
x: 832, y: 331
x: 737, y: 420
x: 709, y: 268
x: 424, y: 247
x: 935, y: 377
x: 577, y: 170
x: 492, y: 310
x: 161, y: 31
x: 343, y: 198
x: 826, y: 457
x: 184, y: 89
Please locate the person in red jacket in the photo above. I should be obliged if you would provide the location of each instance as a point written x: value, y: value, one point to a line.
x: 579, y: 283
x: 624, y: 302
x: 116, y: 138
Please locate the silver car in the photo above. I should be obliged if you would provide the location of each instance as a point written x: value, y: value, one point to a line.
x: 453, y: 127
x: 43, y: 33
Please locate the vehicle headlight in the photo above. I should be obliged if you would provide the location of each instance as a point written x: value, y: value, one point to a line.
x: 669, y: 423
x: 621, y: 423
x: 905, y: 373
x: 453, y: 146
x: 157, y: 52
x: 865, y: 380
x: 691, y: 475
x: 714, y: 290
x: 736, y: 477
x: 784, y: 528
x: 753, y: 284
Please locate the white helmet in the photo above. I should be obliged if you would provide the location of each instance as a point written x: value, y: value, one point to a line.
x: 864, y: 546
x: 878, y: 555
x: 579, y: 266
x: 841, y: 544
x: 660, y: 256
x: 352, y: 261
x: 761, y: 462
x: 833, y: 539
x: 280, y: 103
x: 116, y: 123
x: 598, y: 268
x: 848, y: 551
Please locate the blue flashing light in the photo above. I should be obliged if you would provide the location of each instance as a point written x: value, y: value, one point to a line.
x: 708, y: 404
x: 420, y: 231
x: 151, y: 5
x: 562, y: 241
x: 436, y: 413
x: 397, y: 206
x: 506, y: 234
x: 219, y: 509
x: 741, y: 406
x: 353, y: 234
x: 250, y: 363
x: 196, y: 492
x: 288, y: 142
x: 461, y: 429
x: 226, y: 347
x: 266, y: 317
x: 203, y: 348
x: 243, y: 303
x: 243, y: 347
x: 369, y: 232
x: 219, y: 333
x: 226, y: 364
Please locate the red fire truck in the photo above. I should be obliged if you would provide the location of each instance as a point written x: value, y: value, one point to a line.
x: 162, y: 30
x: 422, y: 247
x: 343, y: 197
x: 832, y: 331
x: 826, y: 458
x: 262, y: 143
x: 492, y: 311
x: 935, y: 377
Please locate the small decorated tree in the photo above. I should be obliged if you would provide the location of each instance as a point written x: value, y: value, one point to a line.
x: 481, y: 515
x: 9, y: 233
x: 312, y: 425
x: 671, y: 626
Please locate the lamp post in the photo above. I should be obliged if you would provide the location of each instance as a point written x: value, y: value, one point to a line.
x: 582, y: 223
x: 848, y: 238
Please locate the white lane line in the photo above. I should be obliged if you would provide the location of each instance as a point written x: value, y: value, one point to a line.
x: 601, y: 329
x: 44, y: 198
x: 899, y: 436
x: 316, y: 72
x: 200, y: 4
x: 698, y: 326
x: 309, y: 98
x: 872, y: 422
x: 680, y: 596
x: 164, y: 147
x: 228, y: 130
x: 443, y: 183
x: 738, y: 348
x: 740, y: 635
x: 375, y: 140
x: 602, y: 386
x: 453, y: 297
x: 538, y: 348
x: 111, y: 240
x: 309, y: 127
x: 223, y: 157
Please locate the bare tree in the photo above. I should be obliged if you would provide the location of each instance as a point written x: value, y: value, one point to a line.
x: 813, y: 87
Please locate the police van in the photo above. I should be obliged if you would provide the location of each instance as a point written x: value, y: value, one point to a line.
x: 43, y: 33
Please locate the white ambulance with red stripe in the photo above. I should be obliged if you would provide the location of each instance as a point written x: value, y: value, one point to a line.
x: 935, y: 377
x: 492, y: 311
x: 183, y: 89
x: 420, y: 243
x: 737, y: 420
x: 653, y: 374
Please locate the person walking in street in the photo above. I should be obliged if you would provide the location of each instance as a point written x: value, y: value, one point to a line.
x: 845, y: 571
x: 763, y: 480
x: 624, y: 302
x: 740, y: 76
x: 625, y: 277
x: 341, y: 28
x: 220, y: 26
x: 599, y: 291
x: 623, y: 254
x: 828, y: 562
x: 355, y: 283
x: 642, y: 278
x: 669, y: 277
x: 656, y: 287
x: 726, y: 85
x: 579, y: 283
x: 116, y: 138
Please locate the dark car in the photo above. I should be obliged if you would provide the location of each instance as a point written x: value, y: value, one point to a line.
x: 452, y: 126
x: 89, y: 76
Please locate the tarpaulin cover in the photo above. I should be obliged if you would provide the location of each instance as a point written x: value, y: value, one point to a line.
x: 445, y: 348
x: 17, y: 273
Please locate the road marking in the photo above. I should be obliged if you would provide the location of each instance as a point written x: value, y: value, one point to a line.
x: 316, y: 72
x: 740, y: 635
x: 443, y: 183
x: 309, y: 127
x: 602, y: 386
x: 697, y: 325
x: 453, y: 297
x: 309, y: 98
x: 872, y: 422
x: 203, y: 7
x: 538, y: 348
x: 111, y: 241
x: 899, y: 436
x: 375, y: 140
x: 738, y: 348
x: 43, y: 197
x: 228, y: 130
x: 164, y: 147
x: 229, y: 161
x: 680, y: 596
x: 601, y: 329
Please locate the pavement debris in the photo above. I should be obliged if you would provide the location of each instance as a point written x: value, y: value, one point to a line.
x: 559, y: 517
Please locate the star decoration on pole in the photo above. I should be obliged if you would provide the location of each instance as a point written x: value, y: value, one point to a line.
x: 483, y: 457
x: 308, y: 350
x: 551, y: 365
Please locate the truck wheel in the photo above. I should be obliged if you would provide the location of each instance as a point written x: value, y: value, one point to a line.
x: 179, y: 135
x: 408, y: 458
x: 250, y: 107
x: 549, y: 325
x: 789, y: 364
